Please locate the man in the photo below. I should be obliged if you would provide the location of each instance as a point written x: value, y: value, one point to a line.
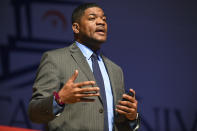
x: 78, y: 89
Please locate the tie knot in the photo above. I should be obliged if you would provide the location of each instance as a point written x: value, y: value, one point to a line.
x: 94, y: 56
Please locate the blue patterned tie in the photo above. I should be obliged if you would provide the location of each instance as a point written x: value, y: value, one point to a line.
x: 99, y: 80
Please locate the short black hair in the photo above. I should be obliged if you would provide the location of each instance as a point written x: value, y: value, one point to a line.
x: 79, y: 11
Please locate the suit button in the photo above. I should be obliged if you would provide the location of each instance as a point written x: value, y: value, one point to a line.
x: 101, y: 110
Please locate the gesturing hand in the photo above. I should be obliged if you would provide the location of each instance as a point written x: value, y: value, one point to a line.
x: 128, y: 107
x: 72, y: 92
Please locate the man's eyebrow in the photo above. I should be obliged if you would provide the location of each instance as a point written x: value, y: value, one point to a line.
x: 95, y: 15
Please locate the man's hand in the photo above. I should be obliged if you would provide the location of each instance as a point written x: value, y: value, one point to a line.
x: 129, y: 107
x: 72, y: 92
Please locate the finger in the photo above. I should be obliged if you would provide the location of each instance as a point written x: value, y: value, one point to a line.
x: 128, y: 104
x: 129, y: 98
x: 87, y: 95
x: 121, y: 112
x: 132, y: 91
x: 125, y: 108
x: 74, y: 76
x: 85, y: 83
x: 87, y: 90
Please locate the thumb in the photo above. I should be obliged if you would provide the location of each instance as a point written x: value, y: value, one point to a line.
x: 74, y: 76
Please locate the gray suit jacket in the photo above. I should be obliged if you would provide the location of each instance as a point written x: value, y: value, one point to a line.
x: 55, y: 69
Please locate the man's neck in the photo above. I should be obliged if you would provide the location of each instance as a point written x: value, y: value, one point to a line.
x: 93, y: 46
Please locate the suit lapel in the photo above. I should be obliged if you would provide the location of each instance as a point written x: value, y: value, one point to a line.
x: 81, y: 61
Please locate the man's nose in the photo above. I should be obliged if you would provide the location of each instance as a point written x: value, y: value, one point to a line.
x: 100, y: 21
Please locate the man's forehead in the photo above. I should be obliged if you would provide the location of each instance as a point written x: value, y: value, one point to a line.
x: 93, y: 11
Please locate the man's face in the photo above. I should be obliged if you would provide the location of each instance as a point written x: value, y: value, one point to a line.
x: 93, y: 26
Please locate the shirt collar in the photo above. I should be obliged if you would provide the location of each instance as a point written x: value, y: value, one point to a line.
x: 87, y: 52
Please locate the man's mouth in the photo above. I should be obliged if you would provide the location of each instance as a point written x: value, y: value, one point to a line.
x: 100, y: 31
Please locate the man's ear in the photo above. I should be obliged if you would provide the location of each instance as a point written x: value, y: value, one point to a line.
x: 75, y: 27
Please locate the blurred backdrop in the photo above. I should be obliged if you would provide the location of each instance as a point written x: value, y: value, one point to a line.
x: 153, y: 41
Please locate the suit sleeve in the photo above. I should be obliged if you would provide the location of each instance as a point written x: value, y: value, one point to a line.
x: 47, y: 81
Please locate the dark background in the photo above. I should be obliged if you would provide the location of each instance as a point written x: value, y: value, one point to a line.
x: 153, y: 41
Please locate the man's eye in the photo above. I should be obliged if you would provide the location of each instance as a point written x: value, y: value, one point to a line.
x: 92, y: 18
